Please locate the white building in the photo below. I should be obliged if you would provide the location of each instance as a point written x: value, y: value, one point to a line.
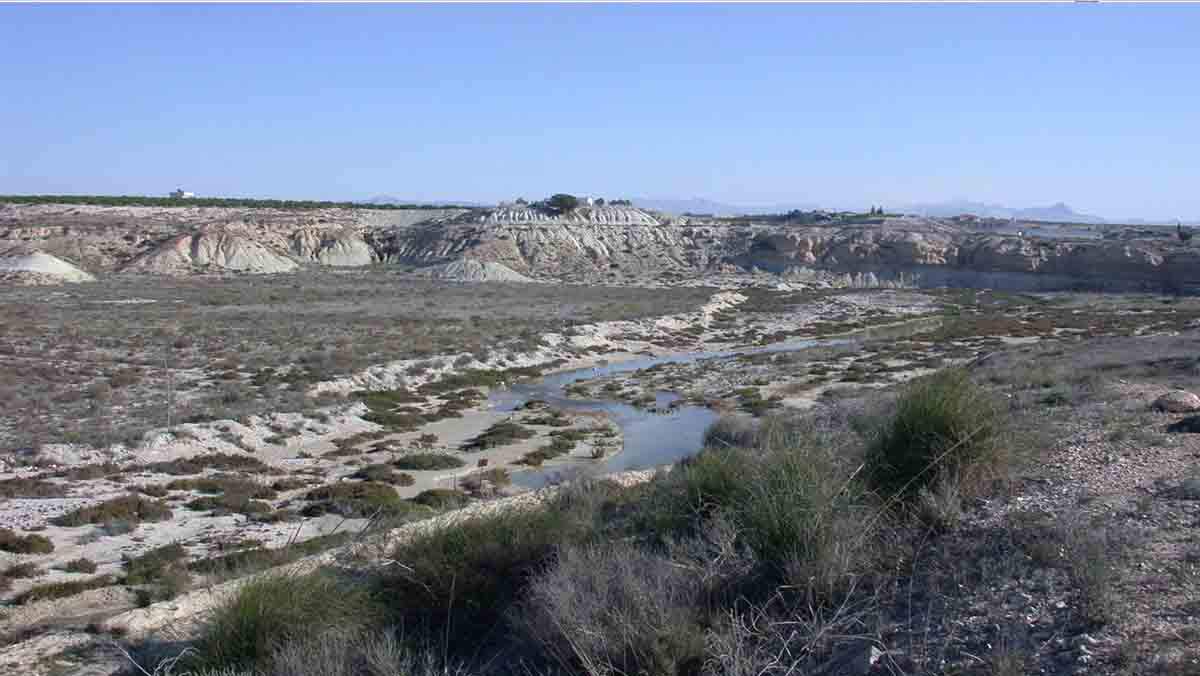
x: 179, y: 193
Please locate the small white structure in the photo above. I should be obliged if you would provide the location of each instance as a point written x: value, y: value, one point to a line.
x: 180, y: 193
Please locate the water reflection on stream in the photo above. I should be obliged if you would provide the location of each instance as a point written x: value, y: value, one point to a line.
x: 652, y: 437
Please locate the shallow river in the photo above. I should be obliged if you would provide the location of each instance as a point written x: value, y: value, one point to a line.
x: 651, y: 438
x: 663, y: 436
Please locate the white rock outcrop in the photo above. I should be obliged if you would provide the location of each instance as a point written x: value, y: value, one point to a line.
x: 470, y: 270
x: 39, y: 267
x: 214, y: 250
x: 335, y: 248
x: 1177, y: 401
x: 519, y: 215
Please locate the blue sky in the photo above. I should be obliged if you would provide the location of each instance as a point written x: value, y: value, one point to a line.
x: 1094, y: 105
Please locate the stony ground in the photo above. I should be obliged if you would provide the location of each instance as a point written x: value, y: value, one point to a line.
x: 1104, y: 465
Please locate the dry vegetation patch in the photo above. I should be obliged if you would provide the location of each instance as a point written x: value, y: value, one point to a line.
x: 234, y: 346
x: 131, y: 509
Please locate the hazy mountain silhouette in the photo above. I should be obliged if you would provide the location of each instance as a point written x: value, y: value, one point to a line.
x: 1055, y: 212
x: 699, y: 205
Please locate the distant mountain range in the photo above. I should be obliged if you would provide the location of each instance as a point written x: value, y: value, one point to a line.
x: 699, y: 205
x: 1056, y: 212
x: 392, y: 199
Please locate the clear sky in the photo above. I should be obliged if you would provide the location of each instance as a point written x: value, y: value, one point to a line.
x: 1094, y: 105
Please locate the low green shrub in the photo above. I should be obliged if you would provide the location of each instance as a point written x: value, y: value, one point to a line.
x: 428, y: 461
x: 442, y: 498
x: 500, y: 434
x: 59, y: 590
x: 227, y: 485
x: 229, y: 503
x: 80, y: 565
x: 384, y: 474
x: 24, y: 570
x: 355, y: 500
x: 247, y: 561
x: 215, y: 461
x: 11, y: 541
x: 128, y: 508
x: 28, y: 487
x: 151, y: 566
x: 289, y: 484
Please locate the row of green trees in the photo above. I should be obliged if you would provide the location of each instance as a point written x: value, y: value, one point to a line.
x: 143, y: 200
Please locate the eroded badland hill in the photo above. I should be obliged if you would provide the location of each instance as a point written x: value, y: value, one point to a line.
x: 604, y: 441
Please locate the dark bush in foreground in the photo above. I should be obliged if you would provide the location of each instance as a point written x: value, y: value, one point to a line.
x: 349, y: 653
x: 617, y: 609
x: 11, y: 541
x: 945, y: 427
x: 792, y: 497
x: 467, y: 577
x: 129, y: 508
x: 269, y: 611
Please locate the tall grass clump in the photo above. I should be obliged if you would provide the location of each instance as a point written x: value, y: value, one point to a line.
x: 458, y: 583
x: 790, y: 490
x: 358, y: 653
x: 944, y: 428
x: 267, y: 612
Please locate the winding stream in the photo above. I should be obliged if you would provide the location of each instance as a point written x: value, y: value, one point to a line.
x: 653, y: 437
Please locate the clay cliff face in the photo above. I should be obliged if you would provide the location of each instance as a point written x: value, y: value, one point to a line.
x: 588, y: 244
x: 1148, y: 264
x: 212, y: 249
x: 341, y: 248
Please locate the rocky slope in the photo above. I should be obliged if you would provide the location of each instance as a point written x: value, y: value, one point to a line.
x: 958, y: 258
x: 216, y: 248
x: 468, y: 270
x: 589, y: 244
